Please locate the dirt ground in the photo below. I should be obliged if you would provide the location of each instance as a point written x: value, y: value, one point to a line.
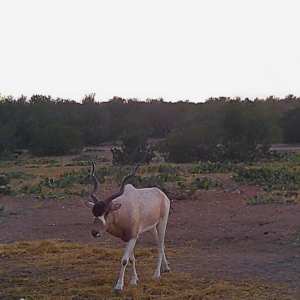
x: 223, y: 237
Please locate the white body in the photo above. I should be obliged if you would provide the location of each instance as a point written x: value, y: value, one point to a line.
x: 136, y: 211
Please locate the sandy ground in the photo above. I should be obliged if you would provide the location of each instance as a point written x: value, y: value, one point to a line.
x: 223, y: 237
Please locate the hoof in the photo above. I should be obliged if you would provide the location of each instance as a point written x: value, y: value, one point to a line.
x: 134, y: 282
x: 118, y: 291
x: 166, y: 271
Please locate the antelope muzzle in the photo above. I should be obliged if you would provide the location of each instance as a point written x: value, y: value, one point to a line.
x: 95, y: 233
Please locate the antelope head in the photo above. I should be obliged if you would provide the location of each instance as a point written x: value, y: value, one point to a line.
x: 101, y: 209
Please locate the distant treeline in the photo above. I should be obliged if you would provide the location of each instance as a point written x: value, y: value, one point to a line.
x: 49, y: 126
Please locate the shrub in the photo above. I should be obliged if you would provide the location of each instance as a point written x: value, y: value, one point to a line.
x: 133, y: 150
x: 188, y: 145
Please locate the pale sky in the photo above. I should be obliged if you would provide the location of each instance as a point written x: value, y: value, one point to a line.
x: 177, y: 50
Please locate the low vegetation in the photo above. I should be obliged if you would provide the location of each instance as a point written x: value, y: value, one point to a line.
x: 208, y: 167
x: 272, y: 178
x: 28, y: 162
x: 85, y: 160
x: 260, y: 200
x: 282, y: 174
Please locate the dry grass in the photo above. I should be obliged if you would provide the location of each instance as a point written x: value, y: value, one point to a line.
x: 52, y: 269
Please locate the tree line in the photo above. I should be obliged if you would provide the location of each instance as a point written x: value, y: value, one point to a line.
x: 221, y: 127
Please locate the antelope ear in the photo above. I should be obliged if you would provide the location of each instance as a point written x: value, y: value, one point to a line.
x: 114, y: 206
x: 88, y: 204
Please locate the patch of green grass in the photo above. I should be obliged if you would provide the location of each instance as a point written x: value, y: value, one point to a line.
x: 20, y: 175
x: 286, y: 194
x: 205, y: 183
x: 208, y: 167
x: 162, y: 168
x: 284, y: 156
x: 6, y: 190
x: 93, y: 150
x: 85, y: 160
x: 272, y: 178
x: 261, y: 200
x: 63, y: 194
x: 67, y: 179
x: 31, y: 189
x: 25, y: 161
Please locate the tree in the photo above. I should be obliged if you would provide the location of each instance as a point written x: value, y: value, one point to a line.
x: 55, y: 140
x: 7, y: 142
x: 246, y: 134
x: 290, y: 123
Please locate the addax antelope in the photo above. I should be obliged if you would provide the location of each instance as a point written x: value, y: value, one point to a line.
x: 126, y: 215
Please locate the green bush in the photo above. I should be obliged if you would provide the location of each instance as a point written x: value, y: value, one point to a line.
x: 133, y: 150
x: 188, y: 145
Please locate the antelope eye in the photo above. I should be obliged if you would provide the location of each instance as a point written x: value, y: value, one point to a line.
x: 106, y: 214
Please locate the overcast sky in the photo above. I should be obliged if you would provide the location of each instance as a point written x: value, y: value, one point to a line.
x: 178, y: 50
